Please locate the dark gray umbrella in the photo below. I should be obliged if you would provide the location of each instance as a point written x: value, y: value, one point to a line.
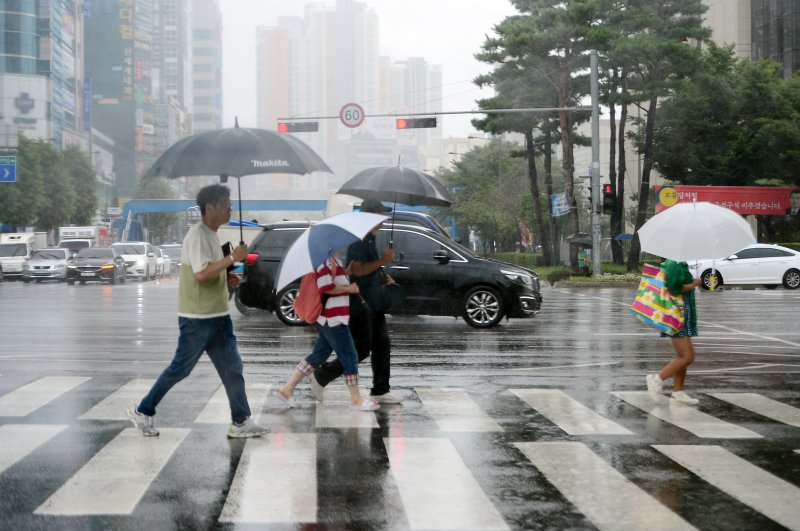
x: 580, y: 238
x: 397, y: 184
x: 236, y: 152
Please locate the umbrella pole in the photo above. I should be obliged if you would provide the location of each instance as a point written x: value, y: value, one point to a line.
x: 241, y: 229
x: 394, y: 215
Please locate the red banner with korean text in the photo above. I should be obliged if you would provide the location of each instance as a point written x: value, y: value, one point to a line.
x: 741, y: 199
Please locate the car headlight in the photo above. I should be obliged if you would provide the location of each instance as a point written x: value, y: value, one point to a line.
x: 59, y: 266
x: 516, y: 276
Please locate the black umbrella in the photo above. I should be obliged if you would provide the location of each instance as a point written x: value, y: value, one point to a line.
x: 235, y: 152
x: 397, y: 184
x: 580, y: 238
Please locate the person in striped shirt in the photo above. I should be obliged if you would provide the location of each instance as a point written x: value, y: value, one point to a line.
x: 334, y: 335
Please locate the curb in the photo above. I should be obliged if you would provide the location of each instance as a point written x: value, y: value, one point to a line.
x: 609, y: 284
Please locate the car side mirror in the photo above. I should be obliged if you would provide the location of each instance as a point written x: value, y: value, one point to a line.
x: 732, y: 257
x: 441, y: 256
x: 151, y: 255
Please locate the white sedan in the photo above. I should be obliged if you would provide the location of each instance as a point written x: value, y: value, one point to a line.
x: 758, y: 263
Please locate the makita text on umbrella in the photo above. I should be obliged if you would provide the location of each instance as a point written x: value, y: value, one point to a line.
x: 269, y: 163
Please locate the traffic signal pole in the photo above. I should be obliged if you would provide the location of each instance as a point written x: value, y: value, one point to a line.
x: 597, y: 198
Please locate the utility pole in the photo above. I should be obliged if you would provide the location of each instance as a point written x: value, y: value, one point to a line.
x: 597, y: 199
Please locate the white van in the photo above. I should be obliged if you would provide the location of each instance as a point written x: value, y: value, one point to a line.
x: 140, y: 259
x: 16, y: 248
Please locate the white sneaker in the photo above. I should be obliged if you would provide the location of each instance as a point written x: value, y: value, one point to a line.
x: 246, y: 429
x: 144, y: 423
x: 317, y: 391
x: 683, y: 398
x: 654, y: 386
x: 386, y: 398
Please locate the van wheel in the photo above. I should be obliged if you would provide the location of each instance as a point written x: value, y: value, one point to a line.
x: 71, y: 282
x: 284, y: 309
x: 483, y: 307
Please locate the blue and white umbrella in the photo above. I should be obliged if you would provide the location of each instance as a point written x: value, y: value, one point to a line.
x: 321, y: 240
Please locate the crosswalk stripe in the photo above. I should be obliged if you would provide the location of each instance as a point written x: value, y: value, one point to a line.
x: 437, y: 489
x: 115, y: 405
x: 454, y: 410
x: 275, y: 481
x: 18, y: 440
x: 763, y: 406
x: 116, y: 478
x: 686, y: 417
x: 218, y: 410
x: 567, y: 413
x: 597, y: 489
x: 335, y: 412
x: 770, y: 495
x: 30, y: 397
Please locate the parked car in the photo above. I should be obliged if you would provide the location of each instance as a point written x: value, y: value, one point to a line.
x: 173, y: 250
x: 140, y: 259
x: 46, y: 264
x: 758, y: 263
x: 439, y: 276
x: 96, y: 263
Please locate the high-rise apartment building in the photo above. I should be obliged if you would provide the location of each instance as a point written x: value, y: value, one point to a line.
x: 315, y: 64
x: 206, y: 71
x: 42, y: 71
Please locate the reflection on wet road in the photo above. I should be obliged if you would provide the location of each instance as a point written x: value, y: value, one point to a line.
x: 536, y: 424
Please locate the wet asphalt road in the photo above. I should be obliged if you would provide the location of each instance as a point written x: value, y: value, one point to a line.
x: 466, y: 449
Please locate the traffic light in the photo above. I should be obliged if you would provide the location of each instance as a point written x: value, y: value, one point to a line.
x: 298, y: 127
x: 589, y: 194
x: 415, y: 123
x: 609, y: 199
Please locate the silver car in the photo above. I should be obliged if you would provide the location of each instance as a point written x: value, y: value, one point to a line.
x: 46, y: 264
x: 759, y: 263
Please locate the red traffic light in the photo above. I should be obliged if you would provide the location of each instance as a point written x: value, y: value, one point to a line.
x: 298, y: 127
x: 607, y: 188
x: 415, y: 123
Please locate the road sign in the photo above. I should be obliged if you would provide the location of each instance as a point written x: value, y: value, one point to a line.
x: 351, y: 115
x: 8, y: 169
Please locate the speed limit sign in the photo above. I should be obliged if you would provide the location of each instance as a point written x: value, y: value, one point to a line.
x: 351, y: 115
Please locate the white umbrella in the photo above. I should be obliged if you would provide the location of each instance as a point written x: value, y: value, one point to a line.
x: 321, y: 240
x: 695, y: 231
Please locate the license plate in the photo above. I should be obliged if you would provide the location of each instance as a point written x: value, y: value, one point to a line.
x: 87, y: 274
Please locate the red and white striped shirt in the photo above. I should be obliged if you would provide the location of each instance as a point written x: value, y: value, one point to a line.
x: 337, y: 307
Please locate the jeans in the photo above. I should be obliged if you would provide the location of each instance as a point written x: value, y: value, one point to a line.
x: 336, y: 338
x: 214, y: 336
x: 369, y: 334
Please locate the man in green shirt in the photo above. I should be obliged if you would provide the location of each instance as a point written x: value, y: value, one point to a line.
x: 204, y: 318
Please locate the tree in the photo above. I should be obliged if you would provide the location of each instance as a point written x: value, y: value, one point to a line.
x: 61, y: 195
x: 157, y: 223
x: 81, y: 173
x: 21, y: 201
x: 489, y: 185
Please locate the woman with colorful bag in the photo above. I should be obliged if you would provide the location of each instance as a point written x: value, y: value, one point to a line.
x: 679, y: 281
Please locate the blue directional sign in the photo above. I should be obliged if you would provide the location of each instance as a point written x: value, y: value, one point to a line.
x: 8, y: 169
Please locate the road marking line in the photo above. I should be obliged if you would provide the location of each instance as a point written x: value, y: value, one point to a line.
x: 117, y: 477
x: 437, y: 488
x: 115, y: 405
x: 30, y: 397
x: 275, y: 481
x: 218, y: 411
x: 760, y: 336
x: 341, y: 416
x: 763, y: 406
x: 567, y: 413
x: 454, y: 410
x: 597, y: 489
x: 732, y: 369
x: 751, y: 485
x: 686, y: 417
x: 563, y: 366
x: 19, y: 440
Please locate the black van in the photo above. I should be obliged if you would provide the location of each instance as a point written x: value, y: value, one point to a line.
x: 439, y: 276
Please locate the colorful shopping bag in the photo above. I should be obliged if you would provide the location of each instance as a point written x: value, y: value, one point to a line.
x: 655, y: 305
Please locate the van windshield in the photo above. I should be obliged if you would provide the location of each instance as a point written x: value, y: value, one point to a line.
x: 13, y: 249
x: 76, y: 245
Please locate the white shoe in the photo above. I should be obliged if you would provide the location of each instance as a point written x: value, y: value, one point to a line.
x: 654, y: 386
x: 683, y: 398
x: 386, y: 398
x: 144, y: 423
x: 246, y: 429
x: 317, y: 391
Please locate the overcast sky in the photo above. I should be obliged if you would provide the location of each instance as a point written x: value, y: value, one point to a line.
x: 444, y: 32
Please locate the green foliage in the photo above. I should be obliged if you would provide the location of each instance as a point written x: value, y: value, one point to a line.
x: 157, y: 223
x: 80, y: 171
x: 21, y: 201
